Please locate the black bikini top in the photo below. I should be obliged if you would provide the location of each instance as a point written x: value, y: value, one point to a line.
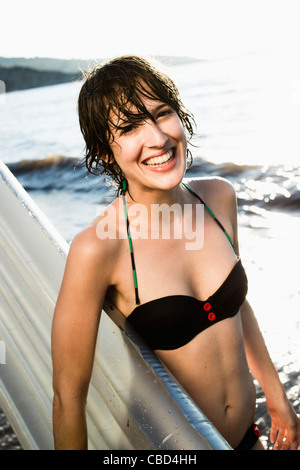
x: 172, y: 321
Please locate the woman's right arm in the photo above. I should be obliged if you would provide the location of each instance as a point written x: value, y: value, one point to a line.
x: 74, y: 334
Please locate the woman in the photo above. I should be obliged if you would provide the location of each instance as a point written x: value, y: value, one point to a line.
x: 189, y: 305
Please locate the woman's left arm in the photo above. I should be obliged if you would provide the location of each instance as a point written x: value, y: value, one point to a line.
x: 285, y: 423
x: 284, y: 419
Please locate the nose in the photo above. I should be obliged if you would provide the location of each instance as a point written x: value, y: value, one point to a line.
x: 154, y: 135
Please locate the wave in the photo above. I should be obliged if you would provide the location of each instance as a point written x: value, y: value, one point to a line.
x: 275, y: 187
x: 272, y: 187
x: 56, y: 172
x: 49, y: 163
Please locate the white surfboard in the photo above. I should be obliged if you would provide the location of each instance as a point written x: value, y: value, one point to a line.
x: 133, y: 402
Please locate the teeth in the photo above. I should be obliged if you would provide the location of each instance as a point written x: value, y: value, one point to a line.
x: 162, y: 159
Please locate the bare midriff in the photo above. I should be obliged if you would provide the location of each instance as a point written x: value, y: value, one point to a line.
x: 213, y: 370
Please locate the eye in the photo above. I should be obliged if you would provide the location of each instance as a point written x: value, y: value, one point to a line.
x: 128, y: 129
x: 165, y: 112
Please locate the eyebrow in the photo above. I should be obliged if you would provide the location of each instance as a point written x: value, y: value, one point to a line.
x: 124, y: 120
x: 160, y: 106
x: 151, y: 112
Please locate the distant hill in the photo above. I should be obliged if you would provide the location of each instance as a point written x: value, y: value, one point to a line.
x: 22, y: 78
x: 44, y: 64
x: 20, y: 73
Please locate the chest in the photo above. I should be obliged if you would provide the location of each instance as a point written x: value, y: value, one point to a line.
x: 166, y: 266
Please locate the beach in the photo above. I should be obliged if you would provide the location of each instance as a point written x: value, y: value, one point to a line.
x: 8, y: 439
x: 247, y: 132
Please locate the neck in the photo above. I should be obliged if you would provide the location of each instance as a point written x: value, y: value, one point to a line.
x: 156, y: 196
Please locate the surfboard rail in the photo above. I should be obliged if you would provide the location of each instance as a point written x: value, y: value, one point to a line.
x: 133, y: 402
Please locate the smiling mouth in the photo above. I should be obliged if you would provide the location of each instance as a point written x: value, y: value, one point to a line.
x: 161, y: 160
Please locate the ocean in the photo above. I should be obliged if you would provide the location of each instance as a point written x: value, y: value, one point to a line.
x: 247, y: 111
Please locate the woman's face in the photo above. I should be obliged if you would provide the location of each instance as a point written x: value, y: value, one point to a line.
x: 151, y: 154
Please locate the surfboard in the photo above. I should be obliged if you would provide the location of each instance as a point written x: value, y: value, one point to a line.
x: 133, y: 402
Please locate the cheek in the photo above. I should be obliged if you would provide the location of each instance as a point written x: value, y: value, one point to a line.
x: 177, y: 130
x: 126, y: 153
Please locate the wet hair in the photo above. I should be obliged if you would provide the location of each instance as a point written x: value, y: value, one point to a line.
x: 111, y: 91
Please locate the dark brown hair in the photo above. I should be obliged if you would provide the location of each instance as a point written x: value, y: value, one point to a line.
x: 111, y: 89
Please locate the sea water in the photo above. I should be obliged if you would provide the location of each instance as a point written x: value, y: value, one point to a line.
x: 247, y: 111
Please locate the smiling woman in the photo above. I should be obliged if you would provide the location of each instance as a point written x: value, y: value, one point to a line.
x: 189, y: 305
x: 116, y: 100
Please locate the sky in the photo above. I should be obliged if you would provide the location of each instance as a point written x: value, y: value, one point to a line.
x: 204, y: 29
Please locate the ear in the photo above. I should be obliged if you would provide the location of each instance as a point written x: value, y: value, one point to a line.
x: 108, y: 159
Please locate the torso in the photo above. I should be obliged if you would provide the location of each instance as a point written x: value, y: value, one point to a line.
x: 212, y: 367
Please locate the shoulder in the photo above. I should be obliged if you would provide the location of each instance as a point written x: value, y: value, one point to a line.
x: 97, y: 245
x: 220, y: 196
x: 214, y: 190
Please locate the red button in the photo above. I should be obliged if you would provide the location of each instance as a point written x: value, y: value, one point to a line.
x: 211, y: 316
x: 256, y: 430
x: 207, y: 306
